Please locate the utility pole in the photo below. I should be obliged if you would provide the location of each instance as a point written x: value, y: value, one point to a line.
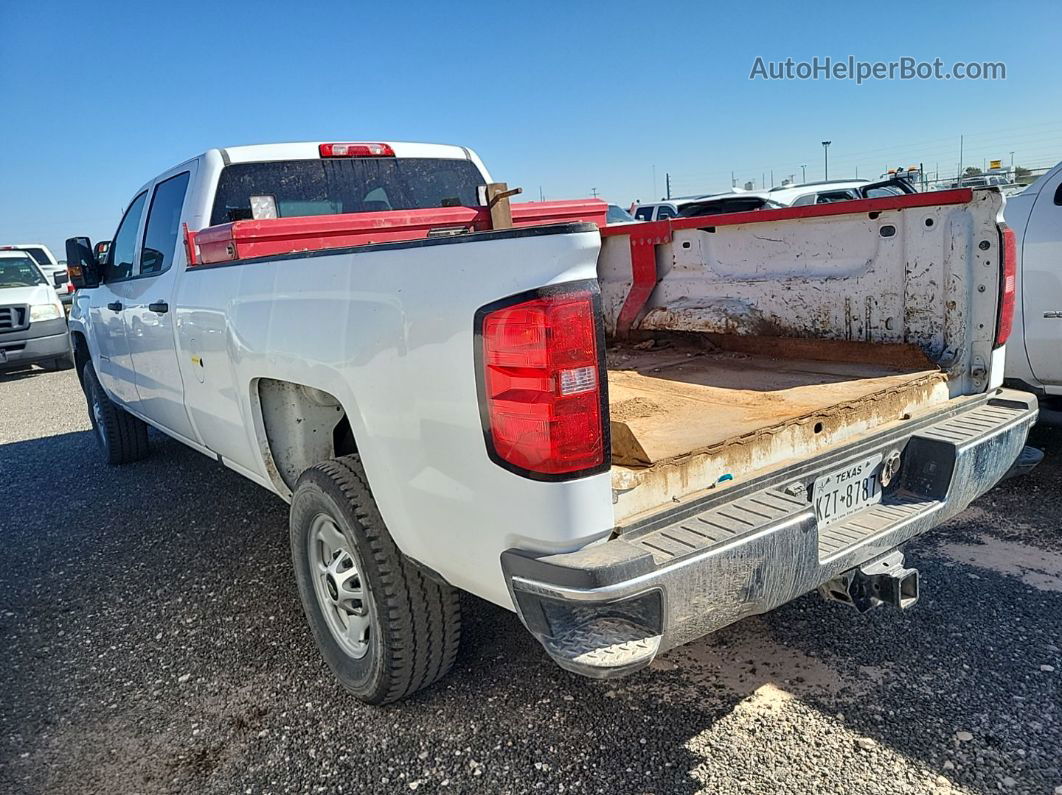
x: 803, y: 173
x: 826, y: 159
x: 772, y: 177
x: 1012, y: 167
x: 594, y: 191
x: 960, y: 157
x: 733, y: 182
x: 667, y: 178
x: 541, y: 198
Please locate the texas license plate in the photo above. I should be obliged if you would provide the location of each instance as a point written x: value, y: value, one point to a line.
x: 847, y: 490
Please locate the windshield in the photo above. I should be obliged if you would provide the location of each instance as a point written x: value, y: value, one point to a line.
x: 737, y: 204
x: 19, y: 272
x: 617, y: 215
x: 350, y: 185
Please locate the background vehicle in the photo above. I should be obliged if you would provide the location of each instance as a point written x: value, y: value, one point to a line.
x: 839, y: 190
x: 52, y: 269
x: 655, y: 211
x: 1034, y: 357
x: 32, y: 321
x: 782, y: 196
x: 628, y: 434
x: 617, y: 215
x: 730, y: 203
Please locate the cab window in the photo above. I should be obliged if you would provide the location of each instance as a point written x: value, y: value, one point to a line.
x: 163, y: 225
x: 663, y: 211
x: 644, y: 213
x: 120, y: 257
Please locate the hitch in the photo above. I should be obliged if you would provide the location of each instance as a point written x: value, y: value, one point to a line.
x: 882, y: 581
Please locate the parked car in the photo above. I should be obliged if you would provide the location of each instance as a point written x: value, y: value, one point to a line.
x: 1034, y: 359
x: 52, y: 269
x: 430, y: 388
x: 655, y: 211
x: 32, y: 321
x: 617, y: 215
x: 774, y: 198
x: 730, y: 203
x: 839, y: 190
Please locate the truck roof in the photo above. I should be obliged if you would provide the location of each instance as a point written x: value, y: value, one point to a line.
x: 309, y: 150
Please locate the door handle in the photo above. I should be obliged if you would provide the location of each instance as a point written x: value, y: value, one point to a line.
x: 115, y: 306
x: 1053, y: 314
x: 161, y: 307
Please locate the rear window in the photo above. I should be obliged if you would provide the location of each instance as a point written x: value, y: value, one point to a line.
x: 354, y: 185
x: 19, y: 272
x: 40, y: 256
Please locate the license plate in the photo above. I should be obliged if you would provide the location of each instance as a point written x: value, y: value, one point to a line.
x: 847, y: 490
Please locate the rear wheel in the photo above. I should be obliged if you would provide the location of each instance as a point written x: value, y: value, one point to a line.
x: 385, y: 629
x: 121, y: 436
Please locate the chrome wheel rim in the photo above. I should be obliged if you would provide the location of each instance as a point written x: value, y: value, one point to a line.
x: 342, y: 594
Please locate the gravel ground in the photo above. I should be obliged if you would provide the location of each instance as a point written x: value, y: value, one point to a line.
x: 152, y: 640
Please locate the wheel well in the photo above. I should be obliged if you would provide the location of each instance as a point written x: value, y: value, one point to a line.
x: 81, y: 354
x: 303, y: 426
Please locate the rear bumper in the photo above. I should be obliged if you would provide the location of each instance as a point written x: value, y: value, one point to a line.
x: 608, y: 609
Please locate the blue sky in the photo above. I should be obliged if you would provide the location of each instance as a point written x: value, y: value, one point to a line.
x: 99, y: 97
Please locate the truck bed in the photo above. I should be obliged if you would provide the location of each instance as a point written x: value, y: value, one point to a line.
x: 683, y: 414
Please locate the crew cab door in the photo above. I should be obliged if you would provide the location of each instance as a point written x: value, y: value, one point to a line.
x: 107, y: 303
x: 1041, y: 264
x: 149, y: 317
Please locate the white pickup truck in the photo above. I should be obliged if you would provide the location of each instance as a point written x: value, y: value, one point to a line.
x: 1034, y: 355
x: 631, y: 435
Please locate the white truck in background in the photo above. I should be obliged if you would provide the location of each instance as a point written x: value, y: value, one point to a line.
x: 631, y: 435
x: 32, y: 320
x: 1034, y: 354
x: 53, y: 270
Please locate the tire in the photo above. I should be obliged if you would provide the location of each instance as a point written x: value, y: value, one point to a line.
x: 122, y: 437
x: 414, y: 622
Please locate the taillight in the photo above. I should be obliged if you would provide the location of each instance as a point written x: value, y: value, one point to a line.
x: 70, y: 287
x: 543, y: 398
x: 355, y: 150
x: 1008, y: 286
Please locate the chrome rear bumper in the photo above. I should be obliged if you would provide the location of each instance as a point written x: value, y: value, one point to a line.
x: 608, y: 609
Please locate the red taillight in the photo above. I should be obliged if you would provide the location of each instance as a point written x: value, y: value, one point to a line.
x: 70, y: 287
x: 542, y: 385
x: 355, y: 150
x: 1008, y: 287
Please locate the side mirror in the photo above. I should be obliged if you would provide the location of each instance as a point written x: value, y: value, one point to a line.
x: 81, y: 264
x: 59, y: 278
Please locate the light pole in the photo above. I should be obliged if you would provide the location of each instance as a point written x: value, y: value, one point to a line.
x: 803, y: 173
x: 826, y: 159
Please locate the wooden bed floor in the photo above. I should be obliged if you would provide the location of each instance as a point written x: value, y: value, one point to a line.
x: 665, y: 404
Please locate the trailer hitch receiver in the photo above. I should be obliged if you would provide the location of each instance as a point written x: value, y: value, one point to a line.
x: 881, y: 581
